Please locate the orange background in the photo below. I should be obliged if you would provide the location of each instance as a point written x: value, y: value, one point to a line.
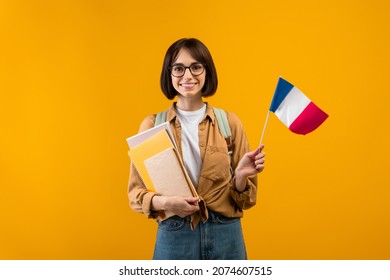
x: 78, y: 77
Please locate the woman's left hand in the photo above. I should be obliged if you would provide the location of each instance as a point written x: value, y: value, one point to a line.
x: 250, y: 164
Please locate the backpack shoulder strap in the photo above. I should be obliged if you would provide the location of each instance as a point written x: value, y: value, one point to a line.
x: 160, y: 118
x: 224, y: 127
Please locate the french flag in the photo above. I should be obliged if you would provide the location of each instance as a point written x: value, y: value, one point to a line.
x: 295, y: 110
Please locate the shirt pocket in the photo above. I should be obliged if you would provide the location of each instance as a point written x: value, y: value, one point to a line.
x: 216, y: 164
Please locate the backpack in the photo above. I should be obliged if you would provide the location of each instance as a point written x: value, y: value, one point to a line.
x: 223, y: 125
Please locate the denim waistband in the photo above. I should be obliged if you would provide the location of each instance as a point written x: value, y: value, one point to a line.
x: 216, y: 217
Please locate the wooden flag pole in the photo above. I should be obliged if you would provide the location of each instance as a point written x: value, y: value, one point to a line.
x: 265, y: 126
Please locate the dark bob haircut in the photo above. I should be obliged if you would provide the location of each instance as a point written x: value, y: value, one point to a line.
x: 201, y: 54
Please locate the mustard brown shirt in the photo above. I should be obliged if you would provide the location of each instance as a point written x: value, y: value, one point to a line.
x: 216, y: 186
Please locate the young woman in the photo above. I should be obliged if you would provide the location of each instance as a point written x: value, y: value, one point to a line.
x: 189, y: 73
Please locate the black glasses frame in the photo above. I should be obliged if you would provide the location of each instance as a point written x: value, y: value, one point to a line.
x: 187, y: 67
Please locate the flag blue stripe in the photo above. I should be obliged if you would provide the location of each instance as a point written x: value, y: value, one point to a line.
x: 281, y: 91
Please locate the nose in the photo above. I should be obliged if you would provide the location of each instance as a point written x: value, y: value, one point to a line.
x: 187, y: 73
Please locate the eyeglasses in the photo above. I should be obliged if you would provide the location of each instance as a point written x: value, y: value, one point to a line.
x: 179, y: 70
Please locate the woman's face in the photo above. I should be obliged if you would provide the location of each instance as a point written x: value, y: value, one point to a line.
x: 188, y: 85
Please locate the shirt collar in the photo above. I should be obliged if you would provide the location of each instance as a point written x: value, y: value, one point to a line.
x: 171, y: 115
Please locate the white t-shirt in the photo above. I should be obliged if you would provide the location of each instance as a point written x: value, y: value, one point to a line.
x: 189, y: 121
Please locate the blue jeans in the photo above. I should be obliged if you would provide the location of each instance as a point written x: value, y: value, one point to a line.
x: 220, y: 238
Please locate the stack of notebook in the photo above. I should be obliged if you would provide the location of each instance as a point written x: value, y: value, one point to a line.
x: 155, y: 156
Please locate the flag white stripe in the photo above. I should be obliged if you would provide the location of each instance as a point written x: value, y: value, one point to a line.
x: 292, y: 106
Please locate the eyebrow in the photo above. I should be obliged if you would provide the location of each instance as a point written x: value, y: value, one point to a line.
x: 181, y: 64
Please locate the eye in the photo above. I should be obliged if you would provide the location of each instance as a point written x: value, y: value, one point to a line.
x: 197, y: 67
x: 177, y: 69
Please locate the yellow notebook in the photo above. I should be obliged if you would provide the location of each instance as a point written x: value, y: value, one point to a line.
x: 160, y: 166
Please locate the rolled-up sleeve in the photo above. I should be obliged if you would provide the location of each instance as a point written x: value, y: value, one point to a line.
x: 247, y: 198
x: 140, y: 198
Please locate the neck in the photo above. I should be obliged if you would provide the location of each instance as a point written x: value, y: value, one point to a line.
x: 189, y: 104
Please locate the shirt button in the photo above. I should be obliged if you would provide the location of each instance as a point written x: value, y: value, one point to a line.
x: 201, y: 144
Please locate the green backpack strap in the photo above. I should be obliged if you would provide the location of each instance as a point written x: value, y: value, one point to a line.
x: 224, y: 127
x: 160, y: 118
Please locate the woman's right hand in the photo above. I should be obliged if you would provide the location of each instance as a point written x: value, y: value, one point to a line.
x: 181, y: 206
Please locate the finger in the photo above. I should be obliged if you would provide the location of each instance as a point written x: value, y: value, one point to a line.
x: 191, y: 209
x: 260, y: 155
x: 253, y: 153
x: 259, y: 151
x: 260, y: 161
x: 194, y: 208
x: 260, y: 167
x: 261, y: 147
x: 191, y: 199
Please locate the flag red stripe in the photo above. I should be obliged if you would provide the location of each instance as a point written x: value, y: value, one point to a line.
x: 311, y: 118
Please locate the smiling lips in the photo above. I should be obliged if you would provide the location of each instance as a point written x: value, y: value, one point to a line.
x: 188, y: 85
